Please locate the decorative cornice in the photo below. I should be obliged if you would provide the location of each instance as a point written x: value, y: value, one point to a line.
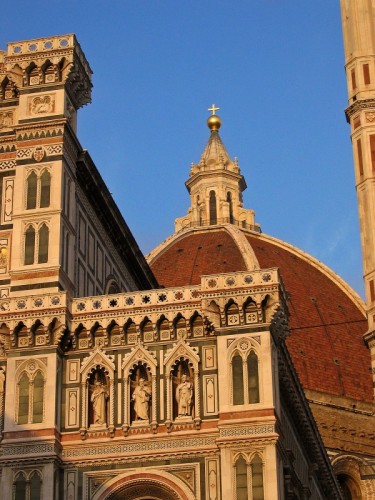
x: 359, y: 105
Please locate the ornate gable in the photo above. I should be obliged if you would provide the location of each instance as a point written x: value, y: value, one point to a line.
x: 139, y: 353
x: 98, y: 358
x: 181, y: 350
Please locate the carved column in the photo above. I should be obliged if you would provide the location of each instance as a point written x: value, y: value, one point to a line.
x: 126, y: 424
x: 154, y: 423
x: 111, y: 407
x: 31, y: 394
x: 245, y: 382
x: 168, y: 421
x: 84, y: 409
x: 197, y: 400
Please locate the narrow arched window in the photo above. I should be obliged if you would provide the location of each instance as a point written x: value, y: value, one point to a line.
x: 230, y: 203
x: 241, y: 479
x: 29, y: 245
x: 257, y: 478
x: 253, y: 377
x: 237, y: 380
x: 67, y: 238
x: 23, y: 399
x: 197, y: 326
x: 43, y: 244
x: 45, y: 188
x: 67, y: 198
x: 38, y: 397
x: 233, y: 314
x: 20, y: 487
x: 35, y: 486
x: 148, y: 331
x: 180, y: 328
x: 164, y: 331
x: 31, y: 191
x: 213, y: 208
x: 131, y: 332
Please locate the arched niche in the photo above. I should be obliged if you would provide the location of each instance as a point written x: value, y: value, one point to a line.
x: 97, y: 379
x: 232, y: 313
x: 163, y: 328
x: 182, y: 360
x: 131, y: 331
x: 139, y: 363
x: 83, y: 338
x: 99, y: 336
x: 213, y: 313
x: 197, y: 325
x: 115, y: 334
x: 250, y: 311
x: 147, y: 330
x: 347, y: 470
x: 180, y: 328
x: 4, y: 339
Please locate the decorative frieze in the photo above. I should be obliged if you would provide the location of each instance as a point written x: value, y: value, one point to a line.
x: 7, y: 164
x: 25, y: 450
x: 249, y: 430
x: 146, y: 446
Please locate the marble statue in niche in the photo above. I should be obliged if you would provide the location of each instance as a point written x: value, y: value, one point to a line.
x: 183, y: 391
x: 184, y: 397
x: 99, y: 399
x: 141, y: 397
x: 141, y: 392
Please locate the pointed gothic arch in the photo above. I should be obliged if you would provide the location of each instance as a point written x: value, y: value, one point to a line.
x: 30, y: 377
x: 232, y: 313
x: 245, y: 374
x: 230, y: 206
x: 180, y: 327
x: 138, y: 357
x: 182, y: 352
x: 163, y: 328
x: 213, y: 208
x: 197, y: 325
x: 101, y: 363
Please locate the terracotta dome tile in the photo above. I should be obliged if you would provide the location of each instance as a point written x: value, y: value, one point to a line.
x: 327, y: 326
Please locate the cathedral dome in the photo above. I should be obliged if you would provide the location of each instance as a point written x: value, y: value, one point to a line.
x: 327, y: 318
x: 218, y: 235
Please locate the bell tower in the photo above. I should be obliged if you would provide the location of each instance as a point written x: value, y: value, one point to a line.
x: 358, y: 21
x: 43, y: 82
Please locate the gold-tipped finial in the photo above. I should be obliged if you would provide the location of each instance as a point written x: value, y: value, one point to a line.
x: 214, y: 121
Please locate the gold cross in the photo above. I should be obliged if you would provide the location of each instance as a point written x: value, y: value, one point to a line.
x: 213, y: 109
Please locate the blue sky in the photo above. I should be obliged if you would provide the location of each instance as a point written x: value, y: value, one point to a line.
x: 276, y: 70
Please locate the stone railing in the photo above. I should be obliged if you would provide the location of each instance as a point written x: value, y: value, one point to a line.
x: 43, y: 301
x: 40, y: 45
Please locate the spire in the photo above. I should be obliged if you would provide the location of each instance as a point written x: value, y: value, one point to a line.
x: 216, y: 185
x: 215, y: 155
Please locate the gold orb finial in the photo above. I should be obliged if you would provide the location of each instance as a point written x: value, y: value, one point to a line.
x: 214, y: 121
